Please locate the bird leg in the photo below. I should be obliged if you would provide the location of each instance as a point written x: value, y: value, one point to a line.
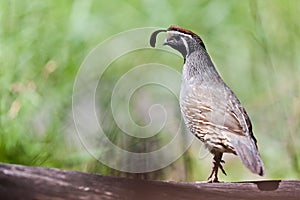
x: 217, y: 164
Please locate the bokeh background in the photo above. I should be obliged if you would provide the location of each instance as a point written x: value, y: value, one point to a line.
x: 255, y: 45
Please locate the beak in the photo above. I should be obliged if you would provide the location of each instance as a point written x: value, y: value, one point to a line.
x: 166, y: 42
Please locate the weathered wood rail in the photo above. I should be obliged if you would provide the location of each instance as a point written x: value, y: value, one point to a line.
x: 23, y: 182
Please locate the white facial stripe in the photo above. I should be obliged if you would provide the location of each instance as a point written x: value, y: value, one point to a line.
x: 186, y: 45
x: 180, y: 33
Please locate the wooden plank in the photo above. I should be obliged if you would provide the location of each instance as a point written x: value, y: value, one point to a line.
x: 23, y: 182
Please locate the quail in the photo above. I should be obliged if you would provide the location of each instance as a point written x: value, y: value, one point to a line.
x: 210, y: 109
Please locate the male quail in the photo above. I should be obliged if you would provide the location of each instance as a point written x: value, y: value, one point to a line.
x: 210, y: 109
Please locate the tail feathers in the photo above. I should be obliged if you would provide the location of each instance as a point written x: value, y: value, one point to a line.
x: 248, y: 153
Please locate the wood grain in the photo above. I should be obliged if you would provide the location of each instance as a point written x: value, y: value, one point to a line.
x: 23, y: 182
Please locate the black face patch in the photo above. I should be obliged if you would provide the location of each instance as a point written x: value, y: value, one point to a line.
x: 180, y: 48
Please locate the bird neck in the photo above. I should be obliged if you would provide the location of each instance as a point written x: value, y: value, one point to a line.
x: 199, y: 66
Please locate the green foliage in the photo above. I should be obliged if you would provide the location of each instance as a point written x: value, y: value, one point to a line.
x: 255, y: 45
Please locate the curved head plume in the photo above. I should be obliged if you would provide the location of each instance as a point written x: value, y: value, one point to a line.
x: 180, y: 39
x: 153, y: 37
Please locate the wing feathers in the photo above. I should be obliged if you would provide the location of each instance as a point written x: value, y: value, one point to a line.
x: 248, y: 153
x: 214, y: 121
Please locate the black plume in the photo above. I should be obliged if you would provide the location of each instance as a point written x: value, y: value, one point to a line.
x: 153, y: 37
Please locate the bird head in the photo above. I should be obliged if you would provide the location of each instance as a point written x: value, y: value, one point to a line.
x: 180, y: 39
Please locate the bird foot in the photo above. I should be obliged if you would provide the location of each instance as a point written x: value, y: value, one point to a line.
x: 213, y: 172
x: 213, y: 177
x: 213, y: 180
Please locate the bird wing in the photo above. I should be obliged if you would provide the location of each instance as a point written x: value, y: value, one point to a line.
x: 216, y: 116
x: 208, y: 106
x: 246, y: 147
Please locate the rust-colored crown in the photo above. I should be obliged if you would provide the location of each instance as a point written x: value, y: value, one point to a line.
x: 182, y: 30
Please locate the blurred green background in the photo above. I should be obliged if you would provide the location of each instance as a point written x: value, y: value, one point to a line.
x: 255, y: 45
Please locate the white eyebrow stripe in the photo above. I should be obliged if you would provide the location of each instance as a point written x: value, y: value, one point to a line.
x: 180, y: 33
